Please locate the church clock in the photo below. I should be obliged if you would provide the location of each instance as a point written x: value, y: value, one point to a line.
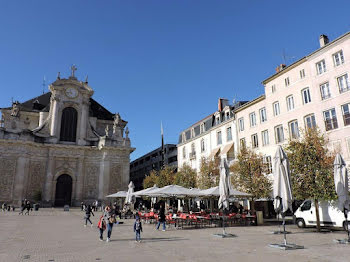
x: 71, y: 92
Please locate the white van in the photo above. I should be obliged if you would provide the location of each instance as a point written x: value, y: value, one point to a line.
x: 330, y: 214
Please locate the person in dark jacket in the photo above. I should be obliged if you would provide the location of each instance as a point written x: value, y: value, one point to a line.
x: 138, y: 229
x: 161, y: 217
x: 27, y: 207
x: 88, y: 212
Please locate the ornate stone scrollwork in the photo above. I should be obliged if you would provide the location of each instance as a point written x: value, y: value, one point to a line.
x: 15, y: 109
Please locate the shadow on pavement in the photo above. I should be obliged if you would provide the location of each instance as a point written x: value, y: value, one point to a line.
x: 152, y: 239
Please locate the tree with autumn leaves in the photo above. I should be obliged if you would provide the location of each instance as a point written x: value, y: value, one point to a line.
x: 209, y: 173
x: 250, y: 174
x: 311, y: 165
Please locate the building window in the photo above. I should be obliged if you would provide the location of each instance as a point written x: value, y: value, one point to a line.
x: 202, y: 145
x: 343, y: 83
x: 183, y: 137
x: 69, y: 124
x: 293, y: 129
x: 193, y: 151
x: 241, y: 124
x: 265, y: 137
x: 273, y: 88
x: 330, y: 119
x: 242, y: 143
x: 184, y: 152
x: 268, y: 162
x: 202, y: 128
x: 286, y: 81
x: 229, y: 134
x: 263, y: 117
x: 279, y: 136
x: 227, y: 115
x: 310, y: 121
x: 290, y: 102
x: 346, y: 114
x: 218, y: 138
x: 325, y: 93
x: 217, y: 120
x: 302, y: 73
x: 192, y: 133
x: 255, y: 142
x: 338, y: 58
x: 306, y: 96
x: 276, y: 109
x: 252, y: 119
x: 321, y: 67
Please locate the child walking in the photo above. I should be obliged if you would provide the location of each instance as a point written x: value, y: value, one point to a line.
x: 138, y: 229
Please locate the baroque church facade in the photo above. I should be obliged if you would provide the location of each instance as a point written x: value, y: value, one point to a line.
x: 62, y: 147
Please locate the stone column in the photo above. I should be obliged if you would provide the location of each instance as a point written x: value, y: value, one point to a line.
x: 103, y: 176
x: 80, y: 181
x: 47, y: 196
x: 83, y: 122
x: 19, y: 182
x: 54, y: 116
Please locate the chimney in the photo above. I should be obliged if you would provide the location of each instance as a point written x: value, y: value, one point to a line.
x: 323, y: 40
x: 222, y: 103
x: 280, y: 68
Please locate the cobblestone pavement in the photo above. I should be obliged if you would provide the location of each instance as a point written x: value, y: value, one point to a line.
x: 54, y: 235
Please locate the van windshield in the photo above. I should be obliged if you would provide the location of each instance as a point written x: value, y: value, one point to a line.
x: 306, y: 206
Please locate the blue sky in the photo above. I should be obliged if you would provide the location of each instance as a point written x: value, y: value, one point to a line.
x: 163, y: 60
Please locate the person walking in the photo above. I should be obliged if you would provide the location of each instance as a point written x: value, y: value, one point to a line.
x: 161, y: 217
x: 23, y: 207
x: 108, y: 218
x: 88, y: 212
x: 138, y: 228
x: 27, y: 206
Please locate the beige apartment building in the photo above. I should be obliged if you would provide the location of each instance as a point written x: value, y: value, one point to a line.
x: 313, y: 91
x: 212, y: 136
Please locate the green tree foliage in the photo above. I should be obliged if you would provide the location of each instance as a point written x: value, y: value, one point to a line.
x: 150, y: 180
x: 209, y: 173
x: 166, y: 176
x: 311, y: 166
x: 250, y: 174
x: 186, y: 177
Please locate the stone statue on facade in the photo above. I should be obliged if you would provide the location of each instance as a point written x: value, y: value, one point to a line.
x: 15, y: 109
x: 106, y: 130
x: 58, y: 75
x: 117, y: 119
x: 127, y: 133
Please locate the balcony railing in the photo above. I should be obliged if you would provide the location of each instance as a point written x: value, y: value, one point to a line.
x: 326, y: 96
x: 344, y: 89
x: 331, y: 124
x: 192, y: 155
x: 346, y: 118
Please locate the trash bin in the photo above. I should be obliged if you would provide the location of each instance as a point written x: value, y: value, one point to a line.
x: 66, y: 208
x: 36, y: 207
x: 259, y: 218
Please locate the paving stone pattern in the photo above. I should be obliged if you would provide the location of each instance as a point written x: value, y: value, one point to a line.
x: 54, y: 235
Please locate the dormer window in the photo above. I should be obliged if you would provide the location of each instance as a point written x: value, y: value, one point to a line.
x: 183, y: 137
x: 202, y: 128
x: 227, y: 115
x: 217, y: 120
x: 192, y: 133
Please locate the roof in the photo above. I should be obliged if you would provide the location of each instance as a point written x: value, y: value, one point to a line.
x: 42, y: 104
x: 248, y: 104
x: 209, y: 122
x: 291, y: 66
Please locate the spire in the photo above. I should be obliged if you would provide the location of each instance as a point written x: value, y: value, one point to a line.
x: 162, y: 135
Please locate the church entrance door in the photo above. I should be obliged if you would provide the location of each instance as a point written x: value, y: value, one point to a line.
x: 63, y: 190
